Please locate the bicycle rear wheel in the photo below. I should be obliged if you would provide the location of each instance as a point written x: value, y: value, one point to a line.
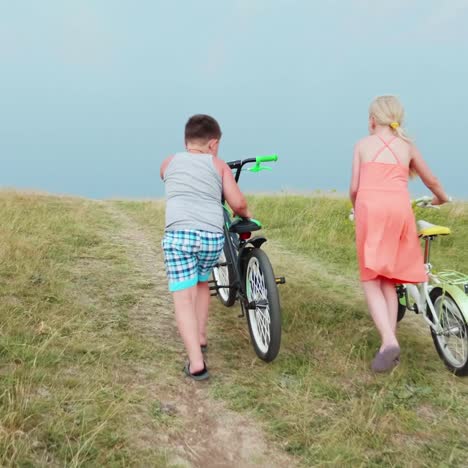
x: 223, y: 275
x: 401, y: 293
x: 264, y: 320
x: 452, y: 342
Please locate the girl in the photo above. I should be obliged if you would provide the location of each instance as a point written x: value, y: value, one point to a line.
x: 386, y: 236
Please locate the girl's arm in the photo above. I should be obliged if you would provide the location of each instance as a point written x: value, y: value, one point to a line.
x: 231, y: 191
x: 354, y: 186
x: 418, y: 164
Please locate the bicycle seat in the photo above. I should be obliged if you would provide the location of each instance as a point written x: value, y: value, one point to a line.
x: 427, y: 229
x: 242, y: 225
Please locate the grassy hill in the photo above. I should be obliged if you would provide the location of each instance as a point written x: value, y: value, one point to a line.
x: 86, y: 369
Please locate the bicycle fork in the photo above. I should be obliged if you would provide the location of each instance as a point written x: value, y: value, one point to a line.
x: 421, y: 301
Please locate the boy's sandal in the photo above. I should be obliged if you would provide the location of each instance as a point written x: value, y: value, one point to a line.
x: 200, y: 375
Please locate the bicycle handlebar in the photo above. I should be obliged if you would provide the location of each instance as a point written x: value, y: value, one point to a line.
x: 268, y: 158
x: 239, y: 164
x: 259, y: 159
x: 426, y: 202
x: 422, y: 202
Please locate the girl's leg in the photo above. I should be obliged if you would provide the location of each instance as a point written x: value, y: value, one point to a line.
x: 391, y: 298
x: 187, y: 322
x: 379, y: 312
x: 201, y: 307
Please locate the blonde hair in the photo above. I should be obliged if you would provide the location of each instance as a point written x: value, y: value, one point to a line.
x: 387, y: 110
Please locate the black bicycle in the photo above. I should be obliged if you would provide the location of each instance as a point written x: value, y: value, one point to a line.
x: 244, y: 272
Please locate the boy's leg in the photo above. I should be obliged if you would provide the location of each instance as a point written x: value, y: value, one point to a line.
x: 208, y: 256
x: 379, y: 312
x: 391, y: 298
x: 187, y: 323
x: 182, y: 271
x: 201, y: 307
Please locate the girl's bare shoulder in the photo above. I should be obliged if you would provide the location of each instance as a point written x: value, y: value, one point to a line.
x: 364, y: 142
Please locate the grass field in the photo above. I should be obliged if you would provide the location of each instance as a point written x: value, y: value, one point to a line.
x: 67, y: 352
x: 78, y: 379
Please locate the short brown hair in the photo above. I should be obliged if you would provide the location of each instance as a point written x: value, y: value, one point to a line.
x: 202, y: 127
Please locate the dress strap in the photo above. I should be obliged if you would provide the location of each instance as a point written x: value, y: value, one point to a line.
x: 386, y: 146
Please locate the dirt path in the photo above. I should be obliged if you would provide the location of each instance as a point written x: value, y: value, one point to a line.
x: 210, y: 434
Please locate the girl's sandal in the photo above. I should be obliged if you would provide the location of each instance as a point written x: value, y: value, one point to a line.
x: 200, y: 375
x: 386, y: 360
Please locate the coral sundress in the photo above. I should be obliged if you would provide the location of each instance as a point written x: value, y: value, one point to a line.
x: 386, y: 235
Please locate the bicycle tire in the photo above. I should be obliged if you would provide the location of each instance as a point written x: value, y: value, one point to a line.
x: 401, y: 295
x: 227, y: 296
x: 439, y: 299
x: 261, y: 285
x: 401, y: 311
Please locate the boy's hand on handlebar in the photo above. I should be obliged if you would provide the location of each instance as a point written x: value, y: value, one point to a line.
x: 245, y: 214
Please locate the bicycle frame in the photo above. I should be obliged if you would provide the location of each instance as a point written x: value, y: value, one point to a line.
x: 237, y: 252
x: 448, y: 282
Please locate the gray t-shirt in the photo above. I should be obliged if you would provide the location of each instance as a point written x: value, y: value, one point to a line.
x: 193, y: 193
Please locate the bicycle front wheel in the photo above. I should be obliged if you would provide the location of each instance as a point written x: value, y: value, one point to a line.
x: 452, y: 341
x: 264, y: 318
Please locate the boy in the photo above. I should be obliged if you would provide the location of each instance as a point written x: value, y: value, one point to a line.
x: 195, y: 181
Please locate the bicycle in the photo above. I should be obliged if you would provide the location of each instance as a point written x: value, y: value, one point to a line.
x: 442, y: 301
x: 244, y: 273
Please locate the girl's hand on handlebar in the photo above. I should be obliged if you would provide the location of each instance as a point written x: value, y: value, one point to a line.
x: 437, y: 201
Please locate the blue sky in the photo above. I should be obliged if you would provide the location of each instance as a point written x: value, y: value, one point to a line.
x: 94, y: 94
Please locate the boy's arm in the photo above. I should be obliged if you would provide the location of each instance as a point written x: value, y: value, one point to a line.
x: 354, y: 186
x: 231, y: 191
x: 430, y: 180
x: 164, y: 165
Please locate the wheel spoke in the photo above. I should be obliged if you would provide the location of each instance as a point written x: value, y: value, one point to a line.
x: 453, y: 336
x: 260, y: 316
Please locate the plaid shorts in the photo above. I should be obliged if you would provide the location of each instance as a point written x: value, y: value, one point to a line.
x: 190, y: 256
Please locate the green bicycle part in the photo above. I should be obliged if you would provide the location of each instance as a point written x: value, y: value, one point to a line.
x: 453, y: 277
x: 258, y: 167
x: 458, y: 295
x: 256, y: 221
x: 261, y: 159
x: 268, y: 158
